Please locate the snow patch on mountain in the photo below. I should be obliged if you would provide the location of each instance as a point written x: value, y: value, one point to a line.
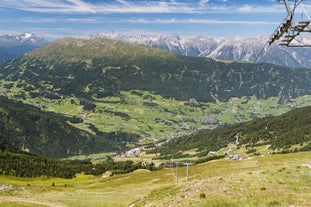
x: 13, y: 46
x: 25, y: 38
x: 236, y: 49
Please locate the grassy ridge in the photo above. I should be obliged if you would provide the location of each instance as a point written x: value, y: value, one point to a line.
x: 101, y: 68
x: 278, y: 180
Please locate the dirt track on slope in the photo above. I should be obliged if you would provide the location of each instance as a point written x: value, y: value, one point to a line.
x: 24, y: 200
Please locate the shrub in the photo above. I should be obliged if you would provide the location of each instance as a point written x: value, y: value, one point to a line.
x: 263, y: 188
x: 202, y: 195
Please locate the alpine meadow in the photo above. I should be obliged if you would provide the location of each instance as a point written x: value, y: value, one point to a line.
x: 143, y: 117
x: 92, y: 101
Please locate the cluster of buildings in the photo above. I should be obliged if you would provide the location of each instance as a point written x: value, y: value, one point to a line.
x: 236, y: 157
x: 132, y: 152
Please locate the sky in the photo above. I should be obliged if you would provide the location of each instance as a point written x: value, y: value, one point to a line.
x: 53, y: 19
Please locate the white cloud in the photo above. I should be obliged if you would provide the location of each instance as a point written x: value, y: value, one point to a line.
x: 203, y: 3
x: 198, y: 21
x: 38, y: 20
x: 260, y: 9
x: 55, y: 6
x: 79, y: 6
x: 127, y: 6
x: 146, y: 21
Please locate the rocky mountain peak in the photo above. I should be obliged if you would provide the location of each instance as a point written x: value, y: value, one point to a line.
x: 237, y: 48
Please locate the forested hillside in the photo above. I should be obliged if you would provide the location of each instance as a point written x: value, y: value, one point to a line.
x: 100, y: 67
x: 280, y: 133
x: 53, y: 135
x: 15, y: 162
x: 117, y: 95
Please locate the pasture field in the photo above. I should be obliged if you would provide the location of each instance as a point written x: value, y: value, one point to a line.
x: 276, y: 180
x: 152, y: 116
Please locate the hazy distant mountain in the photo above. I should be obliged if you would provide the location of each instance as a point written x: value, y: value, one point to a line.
x: 237, y: 49
x: 12, y: 46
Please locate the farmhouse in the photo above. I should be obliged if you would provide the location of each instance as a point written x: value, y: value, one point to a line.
x: 133, y: 152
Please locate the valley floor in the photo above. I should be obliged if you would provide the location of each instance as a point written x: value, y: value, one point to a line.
x: 277, y: 180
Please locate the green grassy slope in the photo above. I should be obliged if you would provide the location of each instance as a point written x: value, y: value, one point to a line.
x: 148, y: 115
x: 51, y: 134
x: 101, y: 68
x: 134, y: 95
x: 280, y: 133
x: 278, y: 180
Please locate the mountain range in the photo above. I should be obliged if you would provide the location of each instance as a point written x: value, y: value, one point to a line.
x: 117, y: 94
x: 235, y: 49
x: 104, y: 67
x: 12, y: 46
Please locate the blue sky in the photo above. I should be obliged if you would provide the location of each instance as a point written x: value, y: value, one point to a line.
x: 54, y: 19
